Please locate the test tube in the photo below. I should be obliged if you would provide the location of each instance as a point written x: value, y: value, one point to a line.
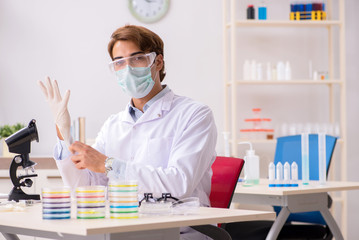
x: 322, y: 159
x: 271, y: 174
x: 294, y: 170
x: 286, y: 174
x: 305, y: 158
x: 279, y: 175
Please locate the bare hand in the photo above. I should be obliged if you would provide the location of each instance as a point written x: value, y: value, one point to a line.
x: 87, y: 157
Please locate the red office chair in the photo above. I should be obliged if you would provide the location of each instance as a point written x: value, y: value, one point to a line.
x: 226, y: 171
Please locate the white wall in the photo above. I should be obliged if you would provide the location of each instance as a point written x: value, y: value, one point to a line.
x: 67, y: 40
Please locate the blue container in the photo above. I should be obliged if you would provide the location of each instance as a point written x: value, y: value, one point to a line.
x: 262, y: 13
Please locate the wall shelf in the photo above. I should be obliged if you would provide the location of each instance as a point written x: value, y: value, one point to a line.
x: 335, y: 39
x: 289, y: 82
x: 272, y: 23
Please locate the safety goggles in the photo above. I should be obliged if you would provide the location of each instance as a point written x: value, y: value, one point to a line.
x: 139, y: 60
x: 166, y: 197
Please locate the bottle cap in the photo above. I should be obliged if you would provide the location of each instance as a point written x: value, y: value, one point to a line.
x: 250, y: 152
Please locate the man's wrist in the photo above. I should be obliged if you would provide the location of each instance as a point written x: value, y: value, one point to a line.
x: 108, y: 164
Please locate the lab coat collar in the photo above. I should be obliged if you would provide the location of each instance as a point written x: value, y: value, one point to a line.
x: 155, y: 111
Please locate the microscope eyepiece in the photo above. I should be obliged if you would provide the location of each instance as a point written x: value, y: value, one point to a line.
x: 19, y: 142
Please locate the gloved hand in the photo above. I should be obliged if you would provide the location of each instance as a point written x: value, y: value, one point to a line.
x: 58, y: 107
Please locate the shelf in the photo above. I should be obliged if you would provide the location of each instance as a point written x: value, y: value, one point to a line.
x: 286, y: 82
x: 288, y: 23
x: 262, y: 31
x: 268, y: 141
x: 41, y: 162
x: 272, y: 141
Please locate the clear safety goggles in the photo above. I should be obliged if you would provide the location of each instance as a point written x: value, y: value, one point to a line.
x: 139, y: 60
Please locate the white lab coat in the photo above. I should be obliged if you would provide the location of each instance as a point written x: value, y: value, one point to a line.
x: 170, y: 148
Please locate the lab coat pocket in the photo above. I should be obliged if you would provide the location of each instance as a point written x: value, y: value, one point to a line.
x: 159, y: 151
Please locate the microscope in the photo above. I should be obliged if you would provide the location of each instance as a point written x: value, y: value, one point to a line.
x: 19, y: 143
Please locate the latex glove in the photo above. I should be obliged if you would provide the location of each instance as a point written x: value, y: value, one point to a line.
x: 58, y: 107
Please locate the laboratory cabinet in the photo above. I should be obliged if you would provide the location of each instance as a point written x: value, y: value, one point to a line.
x: 240, y: 34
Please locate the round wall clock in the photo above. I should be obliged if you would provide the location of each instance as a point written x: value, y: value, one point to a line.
x: 148, y: 11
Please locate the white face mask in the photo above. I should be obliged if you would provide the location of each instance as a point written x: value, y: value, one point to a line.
x: 135, y: 81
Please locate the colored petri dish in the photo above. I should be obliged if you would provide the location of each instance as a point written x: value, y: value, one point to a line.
x: 56, y: 205
x: 123, y: 210
x: 98, y: 191
x: 122, y: 194
x: 123, y: 215
x: 56, y: 211
x: 90, y: 216
x: 56, y: 216
x: 132, y: 204
x: 127, y: 183
x: 56, y: 200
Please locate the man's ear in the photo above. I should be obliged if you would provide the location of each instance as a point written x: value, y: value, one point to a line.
x: 159, y: 62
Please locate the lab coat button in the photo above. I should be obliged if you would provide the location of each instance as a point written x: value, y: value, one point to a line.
x: 159, y: 115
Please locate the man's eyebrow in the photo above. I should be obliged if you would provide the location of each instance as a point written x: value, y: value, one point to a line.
x: 132, y: 54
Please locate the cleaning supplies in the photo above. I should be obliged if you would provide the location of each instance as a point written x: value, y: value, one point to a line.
x: 251, y: 166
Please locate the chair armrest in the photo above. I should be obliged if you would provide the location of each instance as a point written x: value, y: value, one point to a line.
x: 213, y: 232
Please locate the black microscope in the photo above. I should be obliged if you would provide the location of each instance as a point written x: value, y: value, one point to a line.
x: 19, y: 143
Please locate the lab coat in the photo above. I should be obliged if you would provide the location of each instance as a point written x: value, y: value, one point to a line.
x: 170, y: 148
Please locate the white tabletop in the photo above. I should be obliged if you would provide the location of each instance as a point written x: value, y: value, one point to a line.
x: 32, y: 219
x: 314, y: 187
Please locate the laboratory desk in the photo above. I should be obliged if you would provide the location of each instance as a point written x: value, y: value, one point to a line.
x: 31, y: 223
x: 305, y: 198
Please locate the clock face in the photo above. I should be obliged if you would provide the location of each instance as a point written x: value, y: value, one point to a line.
x: 148, y: 11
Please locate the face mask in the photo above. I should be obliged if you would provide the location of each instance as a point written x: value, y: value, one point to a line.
x: 135, y: 81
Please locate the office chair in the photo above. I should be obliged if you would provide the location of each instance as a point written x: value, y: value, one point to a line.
x: 226, y: 171
x: 288, y: 149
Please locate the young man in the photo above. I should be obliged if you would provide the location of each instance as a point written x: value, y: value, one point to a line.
x: 164, y: 141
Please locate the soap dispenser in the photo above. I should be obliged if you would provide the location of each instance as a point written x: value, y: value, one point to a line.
x: 251, y: 166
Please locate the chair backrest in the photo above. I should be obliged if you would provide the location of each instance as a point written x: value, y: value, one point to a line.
x: 288, y: 149
x: 226, y: 171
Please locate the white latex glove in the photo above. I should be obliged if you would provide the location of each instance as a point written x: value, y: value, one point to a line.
x: 58, y: 107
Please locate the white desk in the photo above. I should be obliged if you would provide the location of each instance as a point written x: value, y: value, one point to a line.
x: 312, y: 197
x: 145, y: 227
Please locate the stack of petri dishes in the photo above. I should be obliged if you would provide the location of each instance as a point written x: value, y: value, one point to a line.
x: 91, y: 202
x: 123, y: 199
x: 56, y: 203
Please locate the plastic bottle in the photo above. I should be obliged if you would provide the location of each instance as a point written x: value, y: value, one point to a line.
x: 269, y: 71
x: 274, y: 73
x: 250, y: 12
x: 280, y: 70
x: 286, y: 171
x: 271, y: 174
x: 253, y: 70
x: 259, y: 72
x: 251, y: 166
x: 287, y: 71
x: 246, y: 70
x: 279, y: 175
x: 294, y: 170
x: 262, y: 11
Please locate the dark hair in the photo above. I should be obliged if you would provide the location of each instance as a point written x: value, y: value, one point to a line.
x: 145, y: 39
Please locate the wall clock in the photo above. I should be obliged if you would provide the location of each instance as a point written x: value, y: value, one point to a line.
x: 148, y: 11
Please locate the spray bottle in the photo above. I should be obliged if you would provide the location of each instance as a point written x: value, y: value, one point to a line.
x: 251, y: 166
